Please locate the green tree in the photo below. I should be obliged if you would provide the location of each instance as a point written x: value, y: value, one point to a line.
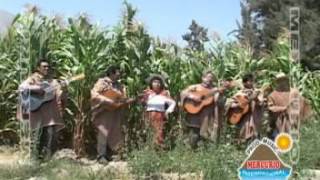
x: 265, y: 20
x: 196, y: 37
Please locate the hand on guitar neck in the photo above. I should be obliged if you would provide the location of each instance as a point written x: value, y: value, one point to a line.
x: 118, y: 102
x: 124, y: 102
x: 196, y: 100
x: 45, y: 86
x: 245, y: 102
x: 225, y: 85
x: 42, y: 93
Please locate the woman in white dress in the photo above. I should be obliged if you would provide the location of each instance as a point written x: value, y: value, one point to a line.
x: 158, y: 105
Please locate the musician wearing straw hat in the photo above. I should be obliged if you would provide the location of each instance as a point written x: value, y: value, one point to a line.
x: 45, y: 120
x: 284, y: 102
x: 158, y: 105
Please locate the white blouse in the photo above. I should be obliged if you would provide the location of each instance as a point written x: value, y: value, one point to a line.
x: 157, y: 102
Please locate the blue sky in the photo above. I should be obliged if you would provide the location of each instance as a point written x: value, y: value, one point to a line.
x: 168, y: 19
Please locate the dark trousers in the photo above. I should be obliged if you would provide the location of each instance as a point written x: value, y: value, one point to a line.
x: 43, y: 142
x: 194, y: 136
x: 101, y: 145
x: 103, y: 149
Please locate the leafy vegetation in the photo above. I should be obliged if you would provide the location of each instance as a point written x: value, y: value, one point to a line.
x: 82, y: 47
x: 54, y: 170
x: 263, y: 22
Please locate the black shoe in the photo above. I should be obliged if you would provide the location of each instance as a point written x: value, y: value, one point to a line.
x: 103, y: 160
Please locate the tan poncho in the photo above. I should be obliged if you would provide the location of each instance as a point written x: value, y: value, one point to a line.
x: 50, y: 113
x: 110, y: 123
x: 209, y: 119
x: 250, y: 122
x: 285, y: 120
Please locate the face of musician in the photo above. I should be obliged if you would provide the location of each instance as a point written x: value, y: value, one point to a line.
x: 43, y: 68
x: 207, y: 79
x: 248, y: 81
x: 156, y: 85
x: 248, y: 84
x: 116, y: 75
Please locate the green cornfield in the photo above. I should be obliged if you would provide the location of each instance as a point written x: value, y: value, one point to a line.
x: 79, y: 46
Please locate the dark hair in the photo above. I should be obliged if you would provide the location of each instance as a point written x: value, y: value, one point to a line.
x: 248, y: 77
x: 112, y: 70
x: 38, y: 64
x: 42, y: 60
x: 208, y: 71
x: 156, y: 78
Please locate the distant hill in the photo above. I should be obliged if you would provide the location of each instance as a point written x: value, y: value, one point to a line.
x: 5, y: 20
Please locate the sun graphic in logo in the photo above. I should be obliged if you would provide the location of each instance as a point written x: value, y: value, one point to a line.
x: 284, y: 142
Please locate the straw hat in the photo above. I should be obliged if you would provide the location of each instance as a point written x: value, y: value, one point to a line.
x: 281, y: 76
x: 161, y: 77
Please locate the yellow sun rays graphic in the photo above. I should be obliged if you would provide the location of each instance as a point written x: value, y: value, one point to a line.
x: 284, y: 142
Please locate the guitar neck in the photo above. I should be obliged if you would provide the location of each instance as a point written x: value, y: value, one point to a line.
x: 215, y: 91
x: 51, y: 88
x: 66, y: 82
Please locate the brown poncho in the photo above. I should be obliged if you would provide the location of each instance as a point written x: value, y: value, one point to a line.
x: 50, y: 113
x: 251, y: 121
x: 282, y: 112
x: 110, y: 123
x: 209, y: 119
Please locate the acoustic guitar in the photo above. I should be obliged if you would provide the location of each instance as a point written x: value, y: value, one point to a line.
x: 118, y: 99
x: 32, y: 102
x: 235, y: 114
x: 205, y: 95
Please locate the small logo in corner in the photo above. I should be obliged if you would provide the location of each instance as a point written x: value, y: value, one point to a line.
x: 263, y: 161
x: 284, y: 142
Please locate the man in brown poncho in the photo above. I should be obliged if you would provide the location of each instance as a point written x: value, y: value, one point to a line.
x: 286, y: 106
x: 250, y: 122
x: 207, y: 123
x: 46, y: 121
x: 109, y: 123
